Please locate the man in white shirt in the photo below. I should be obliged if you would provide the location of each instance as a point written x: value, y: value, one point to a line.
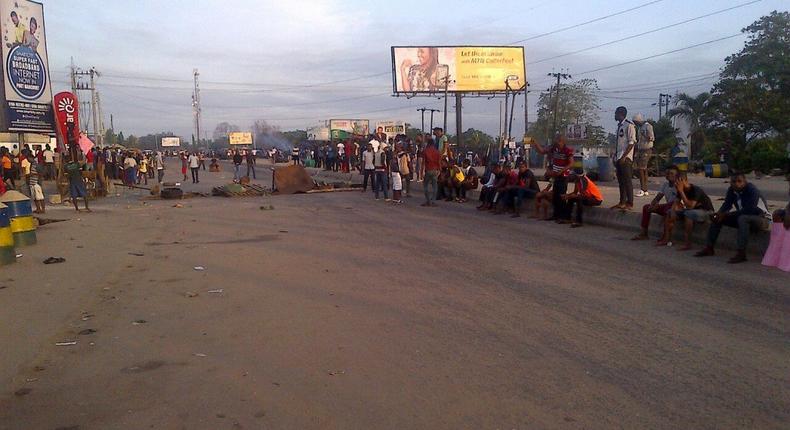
x: 624, y: 158
x: 369, y: 169
x: 194, y: 166
x: 160, y: 166
x: 644, y: 151
x: 49, y: 163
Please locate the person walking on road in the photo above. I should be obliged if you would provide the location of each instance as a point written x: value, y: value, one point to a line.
x: 432, y: 160
x: 624, y: 158
x: 184, y: 163
x: 644, y: 151
x: 251, y: 164
x: 194, y: 166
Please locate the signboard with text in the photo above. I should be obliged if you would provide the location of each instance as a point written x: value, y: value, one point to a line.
x: 344, y: 128
x: 240, y: 138
x: 470, y: 68
x: 169, y: 142
x: 28, y: 91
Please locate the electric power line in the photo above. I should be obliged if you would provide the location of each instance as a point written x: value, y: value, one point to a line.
x: 655, y: 30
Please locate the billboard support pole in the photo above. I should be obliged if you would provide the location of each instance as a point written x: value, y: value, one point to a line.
x: 459, y: 139
x: 446, y: 86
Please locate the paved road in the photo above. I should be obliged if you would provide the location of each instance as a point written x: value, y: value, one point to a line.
x: 340, y: 312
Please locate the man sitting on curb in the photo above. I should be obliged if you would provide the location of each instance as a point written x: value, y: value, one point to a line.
x: 500, y: 202
x: 692, y: 205
x: 585, y: 193
x: 668, y: 192
x: 747, y: 215
x: 526, y: 188
x: 488, y: 190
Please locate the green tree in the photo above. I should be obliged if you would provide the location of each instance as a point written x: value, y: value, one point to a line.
x: 753, y: 92
x: 698, y: 111
x: 665, y: 134
x: 578, y: 103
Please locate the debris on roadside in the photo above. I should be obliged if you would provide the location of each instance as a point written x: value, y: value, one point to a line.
x: 66, y: 343
x: 239, y: 190
x: 54, y: 260
x: 137, y: 254
x: 191, y: 294
x: 199, y: 268
x: 138, y: 322
x: 267, y: 208
x: 217, y: 291
x: 86, y: 332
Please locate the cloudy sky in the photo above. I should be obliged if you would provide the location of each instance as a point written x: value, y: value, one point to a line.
x: 294, y: 63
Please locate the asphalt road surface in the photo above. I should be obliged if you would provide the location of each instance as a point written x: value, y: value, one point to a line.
x: 335, y: 311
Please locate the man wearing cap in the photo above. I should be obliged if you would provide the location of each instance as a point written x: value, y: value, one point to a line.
x: 624, y: 158
x: 644, y: 150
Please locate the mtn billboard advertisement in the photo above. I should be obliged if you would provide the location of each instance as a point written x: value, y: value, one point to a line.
x: 28, y: 91
x: 470, y: 68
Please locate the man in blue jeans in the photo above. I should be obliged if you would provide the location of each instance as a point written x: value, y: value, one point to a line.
x: 380, y: 166
x: 745, y: 198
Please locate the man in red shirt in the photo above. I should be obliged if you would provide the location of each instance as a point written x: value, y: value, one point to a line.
x: 432, y: 166
x: 561, y: 157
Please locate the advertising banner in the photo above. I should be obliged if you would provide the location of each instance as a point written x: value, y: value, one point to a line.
x: 28, y: 91
x: 240, y: 138
x: 169, y: 142
x: 319, y: 134
x: 392, y: 128
x: 470, y: 68
x: 343, y: 128
x: 67, y: 114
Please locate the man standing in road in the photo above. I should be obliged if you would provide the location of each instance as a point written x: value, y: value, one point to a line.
x: 237, y: 159
x: 49, y: 163
x: 369, y: 168
x: 644, y: 151
x: 432, y: 160
x: 160, y: 167
x: 194, y: 166
x: 624, y: 158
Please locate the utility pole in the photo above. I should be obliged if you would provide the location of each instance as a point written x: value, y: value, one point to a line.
x: 663, y: 100
x: 73, y: 78
x: 76, y: 73
x: 196, y: 105
x: 446, y: 88
x: 458, y: 126
x: 101, y: 119
x: 432, y: 111
x: 559, y: 76
x: 422, y: 120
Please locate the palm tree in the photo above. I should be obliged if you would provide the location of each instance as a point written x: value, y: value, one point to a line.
x: 696, y: 111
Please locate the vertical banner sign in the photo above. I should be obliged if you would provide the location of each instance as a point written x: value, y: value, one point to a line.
x: 67, y: 113
x: 28, y: 92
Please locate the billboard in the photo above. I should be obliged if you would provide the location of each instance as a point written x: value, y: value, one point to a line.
x: 576, y: 132
x: 28, y: 91
x: 240, y: 138
x: 320, y: 134
x: 392, y: 128
x: 470, y: 68
x: 169, y: 142
x: 342, y: 128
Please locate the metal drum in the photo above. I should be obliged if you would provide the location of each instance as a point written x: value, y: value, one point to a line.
x: 605, y: 169
x: 7, y: 251
x: 716, y: 170
x: 20, y: 212
x: 681, y: 160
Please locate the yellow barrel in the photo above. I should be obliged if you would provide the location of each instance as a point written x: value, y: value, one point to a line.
x: 20, y: 213
x: 7, y: 251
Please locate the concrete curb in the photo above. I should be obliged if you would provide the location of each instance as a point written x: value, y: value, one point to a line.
x: 605, y: 217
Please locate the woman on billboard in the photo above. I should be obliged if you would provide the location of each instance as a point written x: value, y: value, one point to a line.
x: 30, y: 39
x: 426, y: 76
